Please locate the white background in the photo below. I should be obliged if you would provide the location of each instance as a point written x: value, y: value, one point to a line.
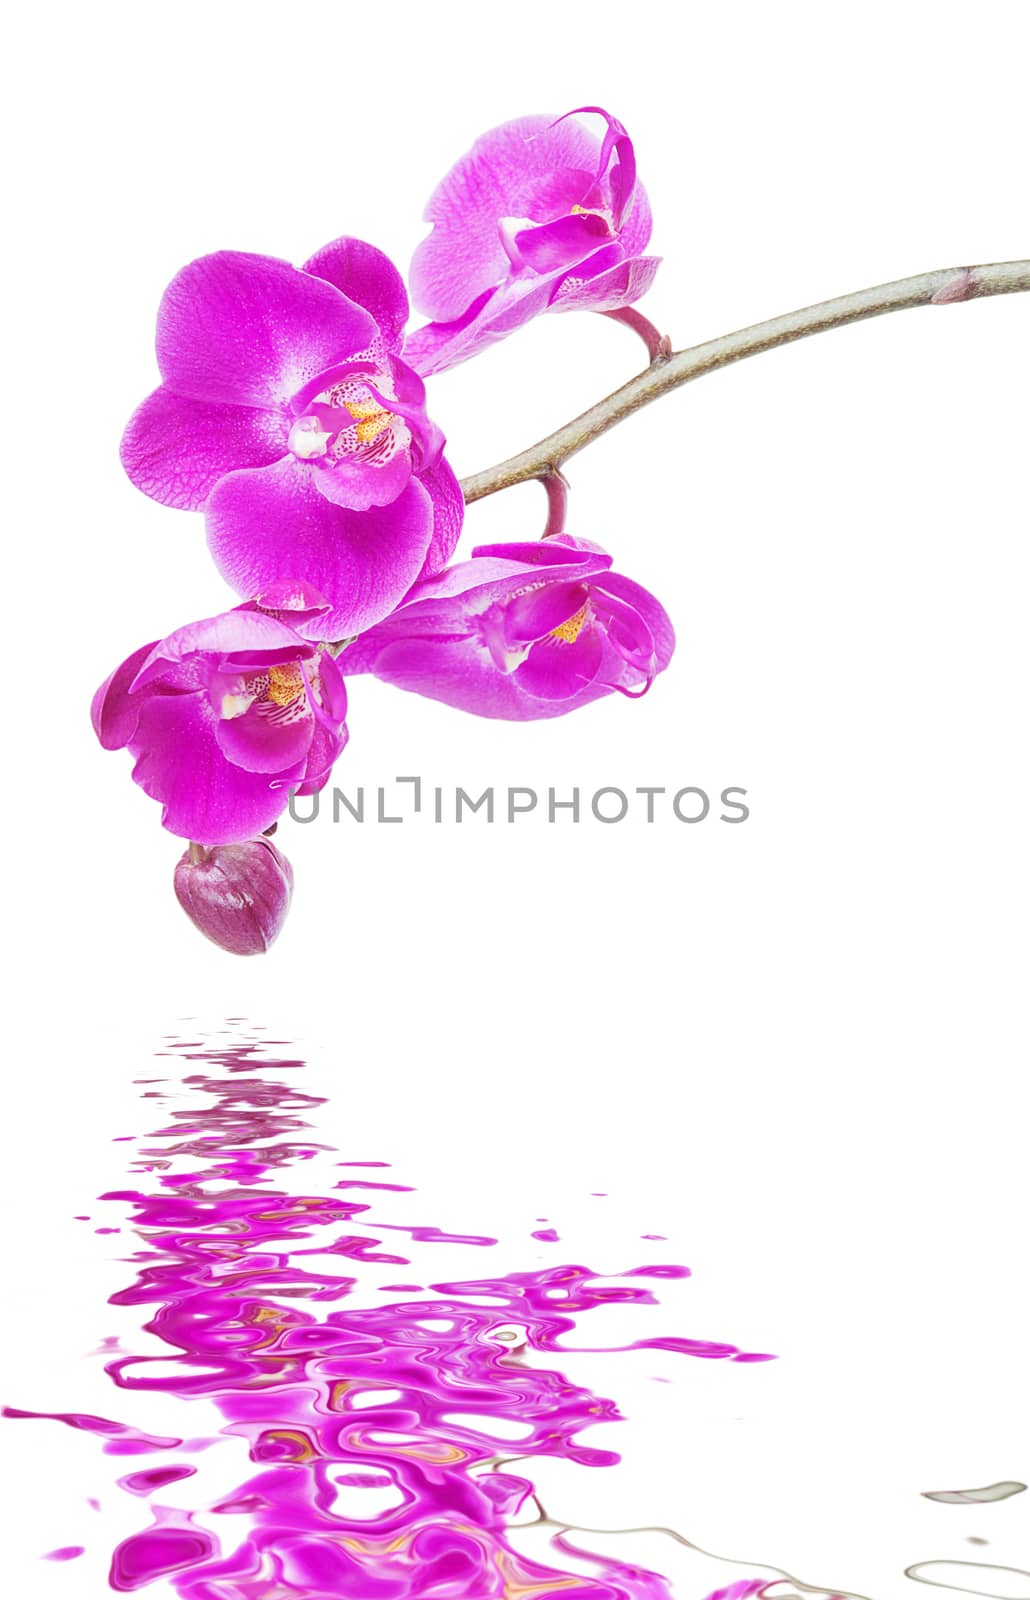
x: 795, y: 1047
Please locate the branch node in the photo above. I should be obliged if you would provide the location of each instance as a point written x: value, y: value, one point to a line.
x: 961, y: 287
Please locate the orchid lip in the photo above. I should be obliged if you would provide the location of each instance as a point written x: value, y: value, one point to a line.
x: 342, y: 414
x: 272, y: 693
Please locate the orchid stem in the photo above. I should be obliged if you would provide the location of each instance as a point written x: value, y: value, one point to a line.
x: 944, y: 287
x: 659, y: 345
x: 557, y: 488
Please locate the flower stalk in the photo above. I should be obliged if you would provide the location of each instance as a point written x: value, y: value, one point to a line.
x: 947, y: 286
x: 557, y: 488
x: 658, y: 345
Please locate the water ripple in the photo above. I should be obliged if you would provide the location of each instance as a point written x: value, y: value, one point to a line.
x: 382, y: 1440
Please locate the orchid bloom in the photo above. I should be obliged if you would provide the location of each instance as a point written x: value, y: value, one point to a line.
x: 224, y: 717
x: 287, y: 414
x: 521, y: 631
x: 540, y: 215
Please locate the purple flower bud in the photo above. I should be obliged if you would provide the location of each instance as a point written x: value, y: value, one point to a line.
x: 236, y: 894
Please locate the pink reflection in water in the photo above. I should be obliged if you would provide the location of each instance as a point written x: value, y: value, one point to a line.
x: 412, y: 1401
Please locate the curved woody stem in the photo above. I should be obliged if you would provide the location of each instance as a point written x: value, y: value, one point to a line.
x: 945, y: 287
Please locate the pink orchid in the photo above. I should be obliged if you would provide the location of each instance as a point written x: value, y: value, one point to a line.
x: 521, y: 631
x: 540, y: 215
x: 287, y: 414
x: 224, y: 717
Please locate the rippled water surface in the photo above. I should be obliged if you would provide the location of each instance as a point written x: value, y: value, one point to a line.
x: 390, y: 1447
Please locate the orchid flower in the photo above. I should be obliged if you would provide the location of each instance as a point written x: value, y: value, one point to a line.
x: 224, y: 717
x: 521, y: 631
x: 288, y: 415
x: 540, y: 215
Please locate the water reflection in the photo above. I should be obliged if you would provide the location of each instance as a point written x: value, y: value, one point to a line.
x: 390, y: 1447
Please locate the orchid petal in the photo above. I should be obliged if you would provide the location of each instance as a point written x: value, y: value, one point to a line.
x: 268, y: 737
x: 334, y: 691
x: 250, y: 330
x: 617, y: 286
x: 652, y: 613
x: 175, y: 450
x: 444, y: 490
x: 293, y: 600
x: 327, y: 744
x: 439, y: 346
x: 244, y: 640
x: 561, y: 554
x: 358, y: 485
x: 616, y: 142
x: 539, y: 612
x: 205, y: 797
x: 427, y: 349
x: 268, y: 524
x: 369, y: 278
x: 464, y: 254
x: 561, y: 245
x: 554, y: 670
x: 496, y: 571
x: 114, y: 711
x: 461, y: 674
x: 451, y: 605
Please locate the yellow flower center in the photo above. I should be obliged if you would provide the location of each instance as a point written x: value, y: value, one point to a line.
x: 370, y: 417
x: 570, y: 630
x: 285, y: 683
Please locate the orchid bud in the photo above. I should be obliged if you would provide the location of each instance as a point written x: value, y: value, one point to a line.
x: 236, y: 894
